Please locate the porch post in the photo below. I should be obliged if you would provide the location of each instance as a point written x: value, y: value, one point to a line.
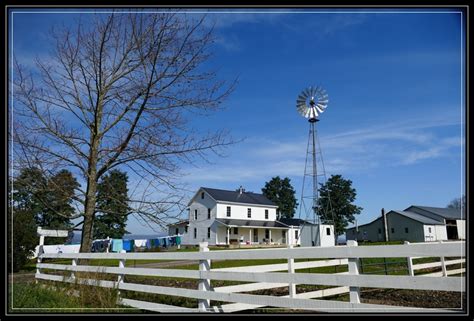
x: 228, y: 236
x: 270, y: 235
x: 250, y: 236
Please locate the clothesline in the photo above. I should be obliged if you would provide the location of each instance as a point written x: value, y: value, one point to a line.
x: 130, y: 245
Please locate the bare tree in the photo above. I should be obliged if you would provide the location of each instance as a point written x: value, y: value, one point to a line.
x: 119, y: 93
x: 458, y: 203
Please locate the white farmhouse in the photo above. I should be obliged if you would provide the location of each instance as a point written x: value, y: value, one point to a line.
x: 222, y: 217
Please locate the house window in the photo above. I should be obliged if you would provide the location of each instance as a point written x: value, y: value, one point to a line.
x: 236, y: 230
x: 267, y: 233
x: 186, y: 229
x: 296, y: 234
x: 228, y: 211
x: 328, y: 231
x: 393, y: 230
x: 429, y: 229
x: 406, y: 229
x: 195, y: 214
x: 249, y: 212
x: 208, y: 213
x: 283, y: 234
x: 380, y: 231
x: 202, y: 195
x: 208, y: 232
x: 195, y: 232
x: 266, y: 214
x: 176, y: 231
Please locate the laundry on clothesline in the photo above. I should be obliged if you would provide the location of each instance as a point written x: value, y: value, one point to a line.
x: 100, y: 245
x: 130, y: 245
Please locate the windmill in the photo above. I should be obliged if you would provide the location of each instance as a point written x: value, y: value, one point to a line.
x: 311, y: 103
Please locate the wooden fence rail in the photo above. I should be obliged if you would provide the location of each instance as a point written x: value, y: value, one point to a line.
x: 271, y: 276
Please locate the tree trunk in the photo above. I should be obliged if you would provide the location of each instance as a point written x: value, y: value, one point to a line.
x: 90, y: 200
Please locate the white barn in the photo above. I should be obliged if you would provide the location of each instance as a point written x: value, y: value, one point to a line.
x: 222, y: 217
x: 415, y: 224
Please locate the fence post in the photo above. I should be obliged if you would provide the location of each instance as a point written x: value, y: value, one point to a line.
x: 291, y: 269
x: 204, y: 284
x: 121, y: 277
x: 74, y: 263
x: 409, y: 262
x: 443, y: 264
x: 353, y: 264
x: 40, y: 252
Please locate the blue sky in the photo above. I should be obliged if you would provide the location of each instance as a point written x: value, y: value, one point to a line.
x: 395, y: 119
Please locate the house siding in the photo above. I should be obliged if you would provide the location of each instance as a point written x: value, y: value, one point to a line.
x: 239, y: 212
x: 371, y: 232
x: 399, y: 223
x: 202, y: 223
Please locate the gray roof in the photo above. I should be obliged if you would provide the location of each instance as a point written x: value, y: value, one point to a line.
x: 418, y: 217
x: 448, y: 213
x: 250, y: 223
x: 182, y: 222
x: 294, y: 221
x: 236, y: 197
x: 360, y: 225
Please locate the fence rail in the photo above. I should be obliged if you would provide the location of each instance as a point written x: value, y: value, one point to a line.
x: 271, y: 276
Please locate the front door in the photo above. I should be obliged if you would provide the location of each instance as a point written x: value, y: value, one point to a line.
x: 255, y: 235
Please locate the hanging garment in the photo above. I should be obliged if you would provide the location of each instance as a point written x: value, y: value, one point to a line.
x: 178, y: 240
x: 140, y: 243
x: 173, y: 240
x: 128, y: 245
x: 117, y: 245
x: 165, y: 242
x: 107, y: 245
x: 148, y: 244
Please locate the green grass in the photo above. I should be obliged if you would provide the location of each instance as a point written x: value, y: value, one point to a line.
x: 31, y: 297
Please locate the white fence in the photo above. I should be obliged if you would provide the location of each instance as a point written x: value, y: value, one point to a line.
x: 265, y: 276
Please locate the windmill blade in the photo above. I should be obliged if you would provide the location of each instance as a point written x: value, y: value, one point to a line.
x: 307, y: 92
x: 315, y: 94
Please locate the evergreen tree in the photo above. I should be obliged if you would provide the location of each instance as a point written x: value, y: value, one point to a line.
x: 335, y: 203
x: 29, y: 191
x: 22, y: 238
x: 61, y: 190
x: 281, y: 192
x: 112, y: 206
x: 24, y: 207
x: 46, y: 199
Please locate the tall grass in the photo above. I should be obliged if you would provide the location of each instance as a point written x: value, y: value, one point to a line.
x: 62, y: 297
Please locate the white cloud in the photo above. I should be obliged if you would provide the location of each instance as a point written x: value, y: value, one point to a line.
x: 395, y: 144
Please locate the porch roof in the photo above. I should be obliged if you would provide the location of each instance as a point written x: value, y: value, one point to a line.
x: 251, y: 223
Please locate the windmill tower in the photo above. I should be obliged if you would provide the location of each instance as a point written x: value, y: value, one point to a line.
x: 310, y: 104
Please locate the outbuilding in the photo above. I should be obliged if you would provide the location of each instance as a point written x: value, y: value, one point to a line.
x: 414, y: 224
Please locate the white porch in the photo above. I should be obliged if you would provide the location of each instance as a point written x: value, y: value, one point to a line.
x: 226, y: 235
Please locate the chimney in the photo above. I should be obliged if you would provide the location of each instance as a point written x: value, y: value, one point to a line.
x: 385, y: 227
x: 241, y: 190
